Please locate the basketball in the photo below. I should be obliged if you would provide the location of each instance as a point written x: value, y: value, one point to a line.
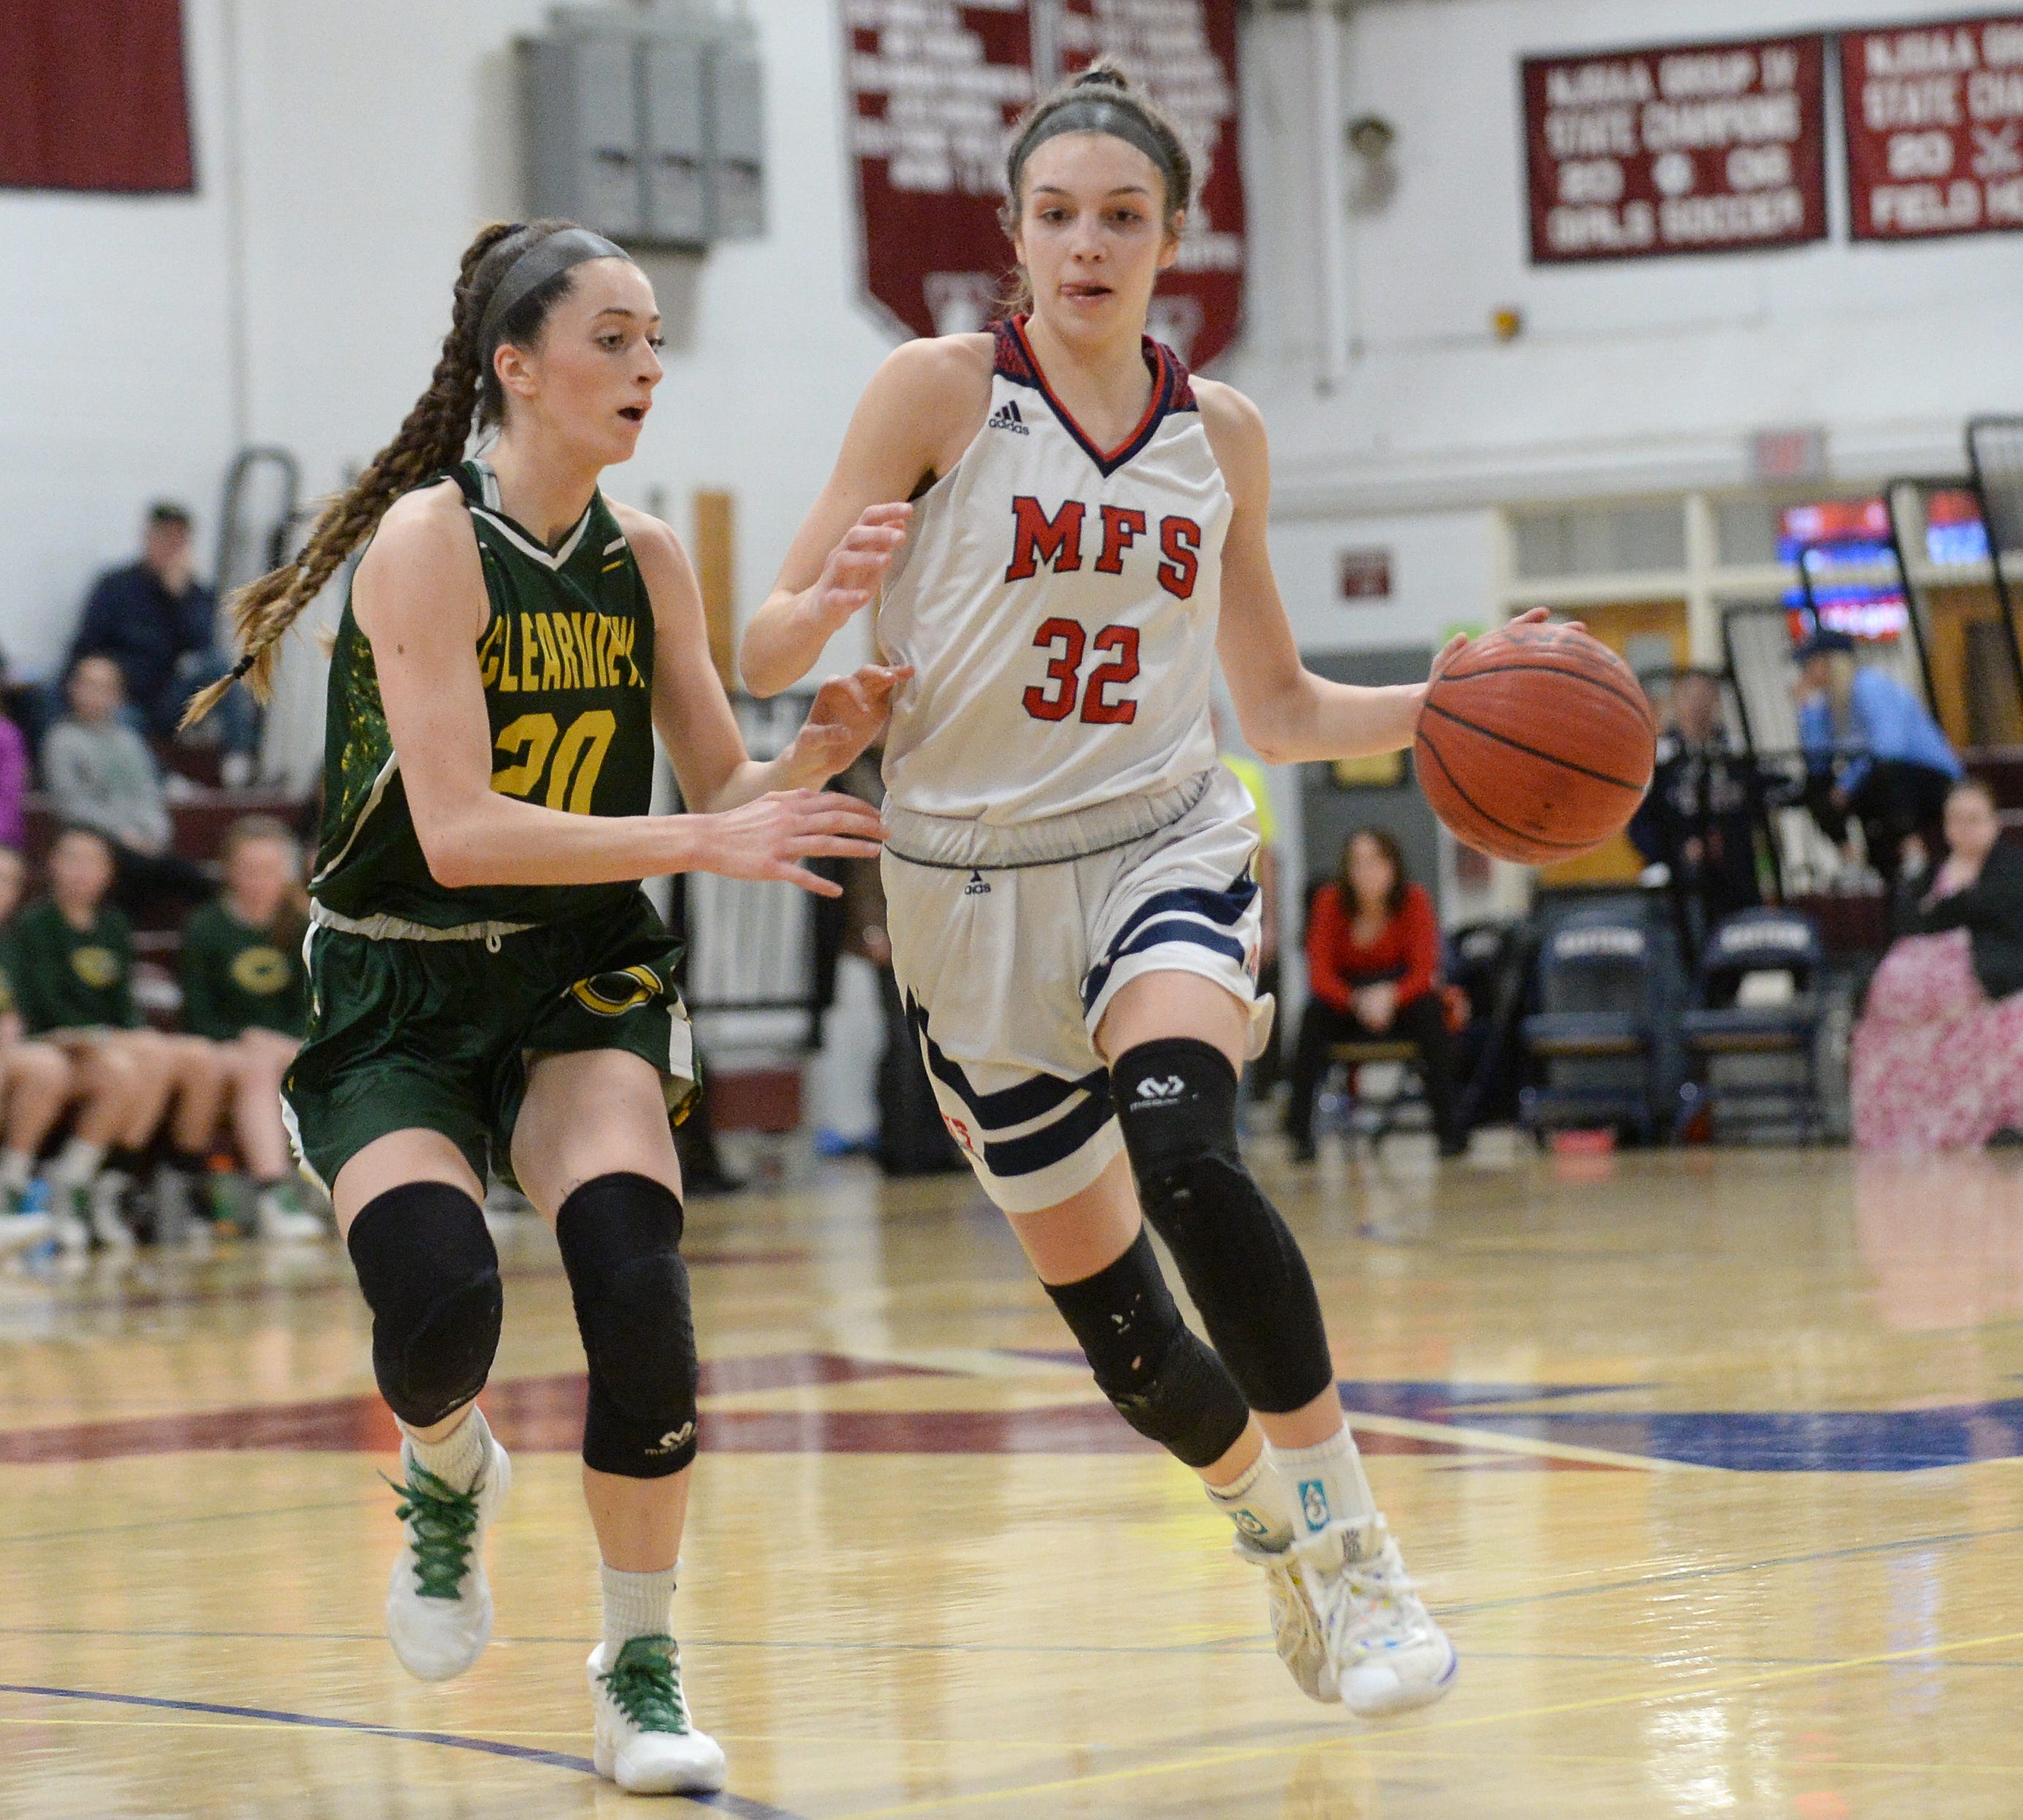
x: 1536, y: 744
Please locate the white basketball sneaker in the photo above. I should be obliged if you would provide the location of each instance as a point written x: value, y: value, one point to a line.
x: 1385, y: 1654
x: 1295, y: 1626
x: 280, y: 1221
x: 645, y: 1742
x: 438, y: 1605
x: 108, y: 1225
x: 67, y: 1227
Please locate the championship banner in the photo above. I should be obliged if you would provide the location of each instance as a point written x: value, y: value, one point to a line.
x: 934, y: 88
x: 93, y: 97
x: 1684, y: 148
x: 1934, y: 129
x: 1184, y: 52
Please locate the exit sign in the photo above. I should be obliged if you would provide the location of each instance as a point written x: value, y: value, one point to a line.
x: 1365, y: 574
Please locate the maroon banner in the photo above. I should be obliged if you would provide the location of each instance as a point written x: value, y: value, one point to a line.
x: 1934, y: 129
x: 1683, y: 148
x: 1184, y: 51
x: 92, y: 97
x: 935, y: 88
x: 930, y: 112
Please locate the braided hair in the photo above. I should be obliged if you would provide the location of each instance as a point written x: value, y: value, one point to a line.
x: 464, y: 393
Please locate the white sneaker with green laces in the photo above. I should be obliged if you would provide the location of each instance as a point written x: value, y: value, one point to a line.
x: 645, y: 1742
x: 438, y: 1605
x: 1385, y: 1652
x: 1295, y: 1626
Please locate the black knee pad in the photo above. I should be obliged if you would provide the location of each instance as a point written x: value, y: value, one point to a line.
x: 430, y: 1271
x: 1148, y: 1362
x: 618, y: 1236
x: 1176, y: 1099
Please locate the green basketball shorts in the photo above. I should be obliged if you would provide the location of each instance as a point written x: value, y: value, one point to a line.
x: 438, y: 1035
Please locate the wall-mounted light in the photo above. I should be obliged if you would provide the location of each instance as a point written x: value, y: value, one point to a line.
x: 1373, y: 175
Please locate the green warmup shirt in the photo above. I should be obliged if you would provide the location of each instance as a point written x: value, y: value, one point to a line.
x: 237, y: 978
x: 567, y: 662
x: 67, y: 978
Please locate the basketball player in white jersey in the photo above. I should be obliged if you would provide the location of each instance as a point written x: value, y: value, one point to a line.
x: 1073, y: 915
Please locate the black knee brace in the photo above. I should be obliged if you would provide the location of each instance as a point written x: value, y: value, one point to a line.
x: 1176, y: 1100
x: 430, y: 1274
x: 1148, y: 1362
x: 618, y: 1235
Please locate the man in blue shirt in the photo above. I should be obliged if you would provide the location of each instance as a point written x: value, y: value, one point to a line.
x: 157, y: 622
x: 1873, y: 754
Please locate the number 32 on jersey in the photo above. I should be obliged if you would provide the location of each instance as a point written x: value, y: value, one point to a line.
x: 1068, y: 642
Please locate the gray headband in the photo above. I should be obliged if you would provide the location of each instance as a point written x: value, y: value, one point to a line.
x: 1094, y: 114
x: 545, y: 259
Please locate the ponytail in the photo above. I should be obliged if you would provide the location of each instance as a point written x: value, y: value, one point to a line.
x: 463, y: 392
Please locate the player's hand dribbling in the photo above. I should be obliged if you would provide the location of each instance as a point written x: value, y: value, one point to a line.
x: 1459, y: 643
x: 847, y: 715
x: 856, y: 567
x: 770, y: 838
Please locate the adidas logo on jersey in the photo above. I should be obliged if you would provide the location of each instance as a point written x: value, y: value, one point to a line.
x: 1006, y: 417
x: 976, y: 887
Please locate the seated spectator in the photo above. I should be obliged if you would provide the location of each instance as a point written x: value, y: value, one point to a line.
x: 1937, y: 1059
x: 1873, y: 755
x: 101, y: 776
x: 157, y: 622
x: 246, y: 992
x: 1978, y: 887
x: 1372, y: 966
x: 1701, y: 818
x: 71, y: 960
x: 35, y: 1084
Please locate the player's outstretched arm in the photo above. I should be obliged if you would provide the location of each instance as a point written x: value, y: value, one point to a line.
x: 693, y: 714
x: 419, y: 598
x: 917, y: 415
x: 1289, y: 715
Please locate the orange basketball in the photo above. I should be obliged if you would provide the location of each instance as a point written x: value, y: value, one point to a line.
x: 1536, y: 744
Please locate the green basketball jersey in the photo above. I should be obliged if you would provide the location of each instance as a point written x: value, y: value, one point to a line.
x: 567, y: 662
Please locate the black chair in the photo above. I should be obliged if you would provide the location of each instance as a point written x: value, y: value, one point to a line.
x: 1597, y: 1034
x: 1753, y: 1061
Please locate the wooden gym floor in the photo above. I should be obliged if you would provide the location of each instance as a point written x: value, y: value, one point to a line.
x: 1712, y: 1462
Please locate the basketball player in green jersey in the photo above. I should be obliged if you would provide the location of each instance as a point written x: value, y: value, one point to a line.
x: 489, y: 986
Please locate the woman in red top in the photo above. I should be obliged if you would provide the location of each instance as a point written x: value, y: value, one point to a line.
x: 1373, y: 966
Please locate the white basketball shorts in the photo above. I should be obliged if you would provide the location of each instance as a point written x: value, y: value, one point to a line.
x: 1007, y: 973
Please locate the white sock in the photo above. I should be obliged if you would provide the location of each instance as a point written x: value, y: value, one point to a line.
x: 1256, y: 1501
x: 1325, y: 1483
x: 17, y: 1166
x: 636, y: 1605
x: 77, y: 1163
x: 460, y: 1455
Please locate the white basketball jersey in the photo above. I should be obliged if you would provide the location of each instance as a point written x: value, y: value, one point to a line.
x: 1058, y: 605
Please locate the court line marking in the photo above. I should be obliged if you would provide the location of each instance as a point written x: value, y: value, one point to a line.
x: 1673, y: 1575
x: 1491, y: 1441
x: 1827, y: 1767
x: 741, y: 1805
x: 179, y: 1523
x: 1475, y: 1721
